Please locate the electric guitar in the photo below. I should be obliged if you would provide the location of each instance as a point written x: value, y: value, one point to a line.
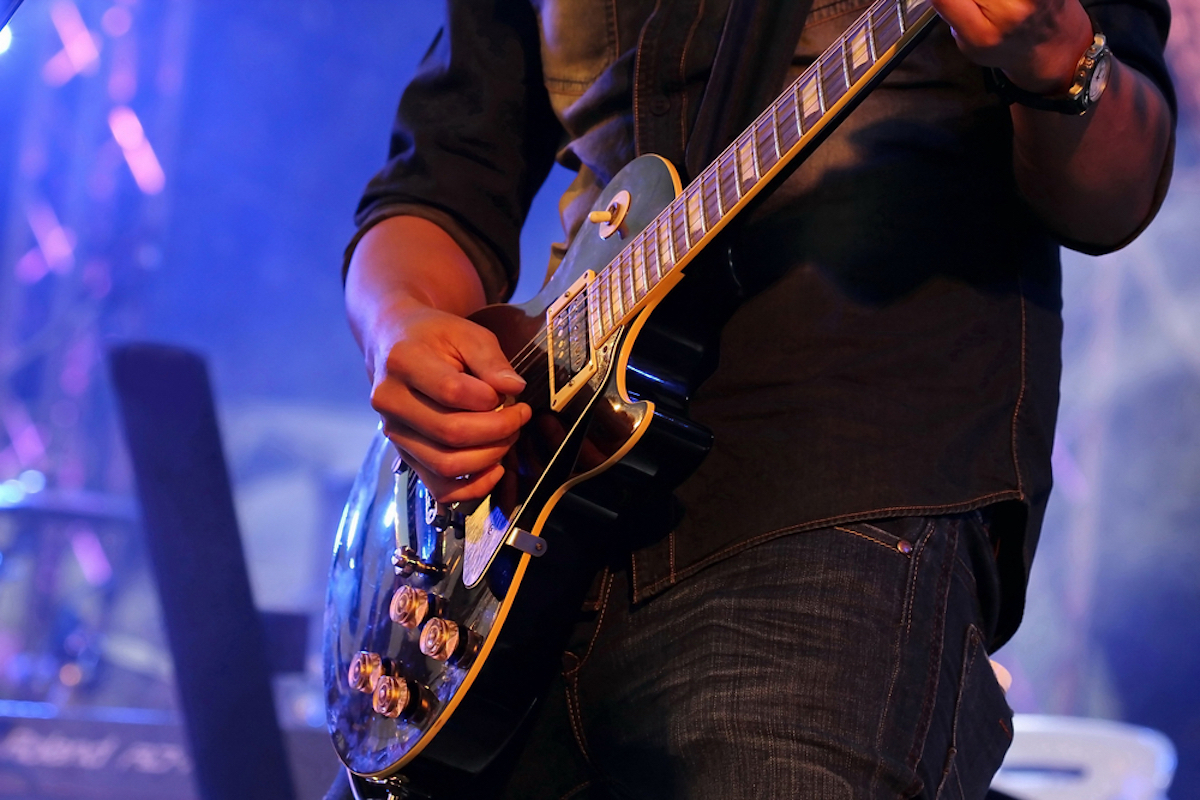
x: 444, y: 623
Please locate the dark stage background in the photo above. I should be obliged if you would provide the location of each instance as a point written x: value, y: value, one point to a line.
x: 185, y: 172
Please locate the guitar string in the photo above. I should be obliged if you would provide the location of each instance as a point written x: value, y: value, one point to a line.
x: 532, y: 350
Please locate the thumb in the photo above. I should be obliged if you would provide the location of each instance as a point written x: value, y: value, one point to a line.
x: 484, y: 359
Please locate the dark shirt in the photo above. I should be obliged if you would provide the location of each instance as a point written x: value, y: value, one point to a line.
x: 898, y: 350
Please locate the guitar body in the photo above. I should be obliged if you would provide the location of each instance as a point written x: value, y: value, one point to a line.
x: 587, y: 467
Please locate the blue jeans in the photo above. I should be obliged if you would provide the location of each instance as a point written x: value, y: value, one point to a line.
x: 846, y: 662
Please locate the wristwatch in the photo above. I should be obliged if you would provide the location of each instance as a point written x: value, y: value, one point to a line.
x: 1091, y: 78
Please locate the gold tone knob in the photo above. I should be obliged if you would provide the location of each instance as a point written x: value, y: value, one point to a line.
x: 365, y: 670
x: 409, y: 606
x: 439, y: 639
x: 600, y: 216
x: 390, y: 697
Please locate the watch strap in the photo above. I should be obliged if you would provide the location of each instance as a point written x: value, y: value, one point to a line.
x: 1075, y: 102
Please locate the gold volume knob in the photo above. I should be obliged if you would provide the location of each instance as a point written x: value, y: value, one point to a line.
x: 365, y: 670
x: 409, y: 606
x: 391, y: 696
x: 439, y: 639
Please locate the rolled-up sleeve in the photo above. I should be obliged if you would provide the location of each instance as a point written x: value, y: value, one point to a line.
x: 474, y: 137
x: 1137, y: 34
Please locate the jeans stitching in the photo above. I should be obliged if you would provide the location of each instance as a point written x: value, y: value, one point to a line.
x: 671, y: 556
x: 942, y: 598
x: 605, y: 594
x: 897, y: 649
x: 974, y: 637
x: 884, y: 545
x: 642, y: 592
x: 571, y: 676
x: 1020, y: 398
x: 572, y: 688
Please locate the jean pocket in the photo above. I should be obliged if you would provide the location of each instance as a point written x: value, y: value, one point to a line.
x: 901, y: 534
x: 982, y: 728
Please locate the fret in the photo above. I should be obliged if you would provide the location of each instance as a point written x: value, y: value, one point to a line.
x: 821, y: 94
x: 775, y: 131
x: 593, y: 310
x: 665, y: 244
x: 786, y: 111
x: 871, y: 37
x: 859, y: 54
x: 628, y: 295
x: 885, y: 22
x: 764, y: 142
x: 694, y: 214
x: 606, y: 318
x: 812, y: 98
x: 900, y: 18
x: 727, y: 180
x: 714, y: 209
x: 910, y: 11
x: 640, y: 287
x: 747, y: 164
x: 614, y: 279
x: 833, y: 75
x: 845, y: 60
x: 679, y: 232
x: 653, y: 273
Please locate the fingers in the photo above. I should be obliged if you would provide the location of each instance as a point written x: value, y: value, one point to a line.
x: 483, y: 358
x: 440, y: 393
x: 452, y: 490
x: 446, y: 462
x: 402, y: 409
x: 459, y: 365
x: 971, y: 27
x: 1036, y: 42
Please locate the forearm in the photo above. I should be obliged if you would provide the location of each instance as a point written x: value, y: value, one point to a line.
x: 406, y: 262
x: 1092, y: 179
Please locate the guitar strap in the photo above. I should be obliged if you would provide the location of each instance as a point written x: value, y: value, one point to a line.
x: 748, y: 72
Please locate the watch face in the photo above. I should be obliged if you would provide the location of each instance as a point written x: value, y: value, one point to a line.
x: 1099, y: 78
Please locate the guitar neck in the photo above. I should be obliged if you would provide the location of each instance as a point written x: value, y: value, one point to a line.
x: 790, y: 127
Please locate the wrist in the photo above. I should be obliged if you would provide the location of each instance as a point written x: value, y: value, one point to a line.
x: 1090, y: 78
x: 1048, y: 68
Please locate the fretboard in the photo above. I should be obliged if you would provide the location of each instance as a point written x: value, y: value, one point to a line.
x: 788, y: 128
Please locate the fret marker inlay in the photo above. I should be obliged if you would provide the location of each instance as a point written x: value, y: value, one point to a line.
x: 810, y: 99
x: 747, y: 167
x: 859, y: 52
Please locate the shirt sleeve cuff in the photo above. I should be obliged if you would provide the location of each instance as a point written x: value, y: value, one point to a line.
x: 496, y: 284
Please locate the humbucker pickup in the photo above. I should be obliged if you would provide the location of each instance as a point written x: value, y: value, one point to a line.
x: 571, y: 344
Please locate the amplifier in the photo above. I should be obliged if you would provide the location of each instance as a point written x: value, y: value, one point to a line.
x: 124, y: 754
